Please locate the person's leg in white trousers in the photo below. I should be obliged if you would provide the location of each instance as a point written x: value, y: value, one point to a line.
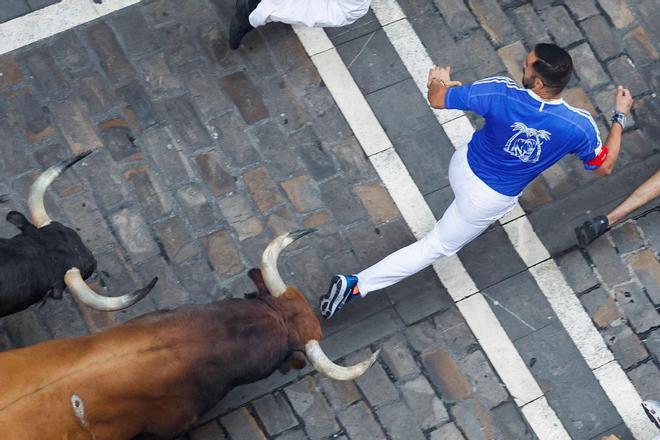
x: 474, y: 208
x: 312, y: 13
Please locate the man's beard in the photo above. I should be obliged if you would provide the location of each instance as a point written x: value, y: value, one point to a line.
x: 528, y: 84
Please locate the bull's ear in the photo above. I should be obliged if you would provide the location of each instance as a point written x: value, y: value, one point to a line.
x: 297, y: 360
x: 258, y: 280
x: 17, y: 219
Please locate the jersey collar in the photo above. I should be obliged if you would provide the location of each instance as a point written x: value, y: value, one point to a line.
x: 539, y: 99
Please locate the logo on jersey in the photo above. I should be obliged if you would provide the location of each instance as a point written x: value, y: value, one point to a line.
x: 526, y: 142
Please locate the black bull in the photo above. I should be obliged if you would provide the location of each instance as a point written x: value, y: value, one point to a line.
x: 46, y: 257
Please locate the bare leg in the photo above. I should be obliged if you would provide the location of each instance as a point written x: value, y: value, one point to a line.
x: 646, y: 192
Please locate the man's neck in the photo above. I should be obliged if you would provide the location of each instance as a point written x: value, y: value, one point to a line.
x: 546, y: 95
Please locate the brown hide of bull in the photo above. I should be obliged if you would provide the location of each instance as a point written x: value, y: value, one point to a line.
x: 154, y: 375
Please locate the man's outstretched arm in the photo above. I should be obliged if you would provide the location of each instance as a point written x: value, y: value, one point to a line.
x: 622, y: 104
x: 438, y: 83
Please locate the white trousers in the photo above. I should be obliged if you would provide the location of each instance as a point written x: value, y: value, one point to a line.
x: 474, y: 208
x: 312, y: 13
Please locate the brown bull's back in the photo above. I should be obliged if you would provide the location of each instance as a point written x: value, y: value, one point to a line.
x: 155, y: 374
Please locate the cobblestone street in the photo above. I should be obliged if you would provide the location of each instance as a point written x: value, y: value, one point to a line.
x: 202, y: 155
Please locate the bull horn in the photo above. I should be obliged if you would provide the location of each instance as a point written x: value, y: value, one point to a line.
x: 87, y: 296
x: 36, y: 198
x: 325, y: 366
x: 272, y: 277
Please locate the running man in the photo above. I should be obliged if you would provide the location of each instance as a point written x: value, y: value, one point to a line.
x: 526, y: 131
x: 251, y: 14
x: 597, y: 226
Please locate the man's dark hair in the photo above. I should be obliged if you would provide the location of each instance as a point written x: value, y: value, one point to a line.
x: 554, y: 65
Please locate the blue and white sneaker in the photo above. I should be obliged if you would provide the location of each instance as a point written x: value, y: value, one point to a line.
x: 342, y: 289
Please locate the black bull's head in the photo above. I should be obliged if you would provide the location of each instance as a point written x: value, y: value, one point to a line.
x: 47, y: 257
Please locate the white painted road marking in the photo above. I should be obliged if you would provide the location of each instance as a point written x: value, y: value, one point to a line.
x: 54, y: 19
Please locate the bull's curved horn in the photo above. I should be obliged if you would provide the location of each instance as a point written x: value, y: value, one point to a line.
x: 272, y: 277
x: 36, y: 198
x: 325, y: 366
x: 86, y: 295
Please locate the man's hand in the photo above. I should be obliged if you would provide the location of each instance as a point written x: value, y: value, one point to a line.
x: 623, y: 100
x: 441, y: 75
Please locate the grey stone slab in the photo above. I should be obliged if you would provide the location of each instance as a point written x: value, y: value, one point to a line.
x: 63, y: 317
x: 399, y: 422
x: 447, y: 329
x: 362, y: 333
x: 577, y: 271
x: 417, y: 136
x: 519, y: 305
x: 360, y: 423
x: 600, y: 35
x: 25, y: 328
x: 560, y: 25
x: 484, y: 381
x: 457, y: 15
x: 365, y: 25
x: 374, y: 383
x: 626, y: 238
x: 626, y: 346
x: 338, y: 197
x: 554, y: 221
x: 650, y: 226
x: 530, y: 25
x: 132, y: 30
x: 425, y: 405
x: 570, y: 387
x: 45, y: 73
x: 439, y: 200
x: 646, y: 379
x: 582, y: 9
x: 490, y: 258
x: 310, y: 405
x: 652, y: 343
x: 436, y: 37
x: 373, y: 62
x: 419, y: 296
x: 494, y: 21
x: 608, y: 263
x: 637, y: 308
x: 601, y: 307
x: 340, y: 393
x: 275, y: 413
x: 69, y: 53
x: 511, y: 423
x: 624, y: 71
x: 296, y: 434
x: 481, y: 55
x: 398, y: 358
x: 241, y: 425
x: 588, y: 68
x: 448, y: 431
x: 12, y: 9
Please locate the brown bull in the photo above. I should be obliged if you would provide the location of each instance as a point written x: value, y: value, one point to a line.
x: 157, y: 374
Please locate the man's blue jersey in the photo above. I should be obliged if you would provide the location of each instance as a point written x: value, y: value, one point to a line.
x: 523, y: 135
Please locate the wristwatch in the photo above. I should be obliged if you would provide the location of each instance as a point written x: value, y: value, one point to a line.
x: 619, y: 118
